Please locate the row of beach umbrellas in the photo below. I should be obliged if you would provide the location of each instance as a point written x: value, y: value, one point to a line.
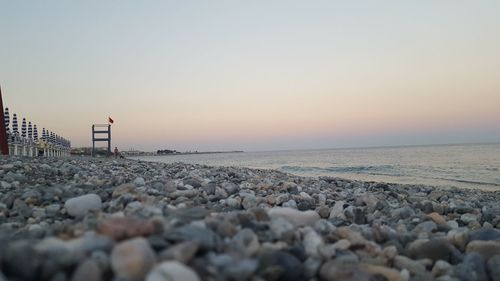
x: 29, y: 132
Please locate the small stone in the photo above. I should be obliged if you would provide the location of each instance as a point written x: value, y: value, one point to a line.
x: 324, y: 212
x: 132, y: 259
x: 337, y: 271
x: 403, y: 212
x: 486, y: 249
x: 468, y: 218
x: 304, y: 205
x: 441, y: 268
x: 205, y: 238
x: 120, y: 228
x: 240, y: 270
x: 494, y: 267
x: 281, y: 227
x: 249, y: 201
x: 281, y: 265
x: 375, y: 270
x: 485, y: 234
x: 21, y: 261
x: 182, y: 252
x: 87, y: 271
x: 342, y: 245
x: 172, y: 271
x: 472, y: 268
x: 247, y: 241
x: 312, y: 242
x: 297, y: 218
x: 234, y: 203
x: 338, y: 210
x: 437, y: 218
x: 452, y: 224
x: 123, y: 189
x: 459, y: 237
x: 414, y: 267
x: 425, y: 227
x: 436, y: 249
x: 290, y: 204
x: 139, y: 182
x: 80, y: 206
x: 311, y: 267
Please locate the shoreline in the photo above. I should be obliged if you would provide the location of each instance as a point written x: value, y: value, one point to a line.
x: 233, y: 223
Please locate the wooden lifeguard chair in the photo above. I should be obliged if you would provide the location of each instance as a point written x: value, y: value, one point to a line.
x: 101, y: 133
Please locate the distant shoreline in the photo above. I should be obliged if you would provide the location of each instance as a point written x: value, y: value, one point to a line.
x: 187, y: 153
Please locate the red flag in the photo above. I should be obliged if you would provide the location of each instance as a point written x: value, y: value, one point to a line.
x: 110, y: 120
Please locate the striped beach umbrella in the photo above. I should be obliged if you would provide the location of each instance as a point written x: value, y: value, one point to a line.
x: 52, y: 138
x: 15, y: 129
x: 6, y: 117
x: 35, y: 133
x: 23, y: 128
x: 44, y: 135
x: 30, y: 131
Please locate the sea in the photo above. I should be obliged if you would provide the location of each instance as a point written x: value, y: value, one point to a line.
x: 463, y: 166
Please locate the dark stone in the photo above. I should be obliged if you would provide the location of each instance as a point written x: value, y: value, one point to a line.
x: 494, y: 268
x: 283, y: 266
x: 21, y: 261
x: 304, y: 205
x: 206, y: 238
x: 490, y: 234
x: 338, y: 271
x: 473, y: 268
x: 436, y: 249
x: 355, y: 214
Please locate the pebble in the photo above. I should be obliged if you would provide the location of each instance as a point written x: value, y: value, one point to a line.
x: 485, y: 249
x: 81, y: 205
x: 172, y: 271
x: 182, y: 252
x: 139, y: 182
x: 132, y: 259
x: 312, y: 243
x: 87, y: 271
x: 297, y: 218
x: 494, y: 267
x: 120, y: 228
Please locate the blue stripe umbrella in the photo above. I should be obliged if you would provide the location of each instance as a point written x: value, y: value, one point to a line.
x: 14, y: 124
x: 23, y: 128
x: 30, y: 131
x: 6, y: 117
x: 35, y: 133
x: 52, y: 138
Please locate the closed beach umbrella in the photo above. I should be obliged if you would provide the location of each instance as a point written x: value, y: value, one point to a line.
x: 52, y: 138
x: 30, y: 131
x: 6, y: 117
x: 35, y: 133
x: 15, y: 129
x: 23, y: 128
x: 44, y: 136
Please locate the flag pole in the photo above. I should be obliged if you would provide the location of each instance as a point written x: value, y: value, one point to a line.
x: 4, y: 146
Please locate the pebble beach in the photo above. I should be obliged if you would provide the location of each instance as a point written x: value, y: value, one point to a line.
x: 120, y: 219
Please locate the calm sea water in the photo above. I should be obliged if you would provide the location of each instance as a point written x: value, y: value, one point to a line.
x: 469, y: 166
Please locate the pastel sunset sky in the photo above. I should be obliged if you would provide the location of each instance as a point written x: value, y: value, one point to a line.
x: 255, y: 75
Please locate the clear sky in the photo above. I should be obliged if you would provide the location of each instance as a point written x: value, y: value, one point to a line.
x: 255, y: 75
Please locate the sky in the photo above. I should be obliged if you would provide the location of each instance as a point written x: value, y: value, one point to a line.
x: 255, y: 75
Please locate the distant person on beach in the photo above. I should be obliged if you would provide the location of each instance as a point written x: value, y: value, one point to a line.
x: 116, y: 152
